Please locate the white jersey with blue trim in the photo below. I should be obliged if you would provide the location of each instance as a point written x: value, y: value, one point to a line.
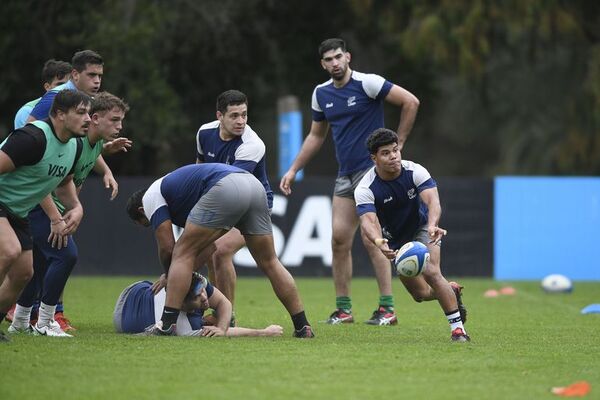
x: 173, y: 196
x: 353, y: 111
x: 246, y: 152
x: 397, y: 204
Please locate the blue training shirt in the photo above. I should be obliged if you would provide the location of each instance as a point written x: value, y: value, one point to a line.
x: 42, y: 108
x: 397, y: 204
x: 353, y: 111
x: 246, y: 152
x: 174, y: 195
x: 142, y: 309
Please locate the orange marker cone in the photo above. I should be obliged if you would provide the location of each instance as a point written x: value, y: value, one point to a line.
x: 577, y: 389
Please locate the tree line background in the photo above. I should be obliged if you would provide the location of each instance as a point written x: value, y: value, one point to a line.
x: 506, y: 87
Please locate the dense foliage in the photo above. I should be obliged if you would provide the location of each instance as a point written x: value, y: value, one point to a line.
x: 506, y: 87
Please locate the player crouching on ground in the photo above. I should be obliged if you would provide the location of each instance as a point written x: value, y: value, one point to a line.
x: 138, y: 309
x: 398, y: 202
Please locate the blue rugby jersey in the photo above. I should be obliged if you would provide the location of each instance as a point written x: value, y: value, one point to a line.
x: 397, y: 204
x: 174, y: 195
x: 353, y: 111
x: 246, y: 152
x: 42, y: 108
x: 141, y: 309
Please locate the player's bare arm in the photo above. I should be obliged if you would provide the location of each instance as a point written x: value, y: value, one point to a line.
x: 6, y: 163
x: 372, y: 230
x: 117, y: 145
x: 57, y: 224
x: 165, y: 242
x: 107, y: 176
x: 312, y: 144
x: 409, y: 105
x: 431, y: 199
x: 218, y: 302
x: 67, y: 194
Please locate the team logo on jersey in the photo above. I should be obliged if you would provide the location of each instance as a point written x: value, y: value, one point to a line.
x: 351, y: 101
x: 328, y: 105
x: 388, y: 200
x: 58, y: 171
x: 411, y: 193
x: 86, y: 166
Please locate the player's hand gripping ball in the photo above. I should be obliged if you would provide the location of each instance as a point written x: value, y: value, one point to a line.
x: 412, y: 259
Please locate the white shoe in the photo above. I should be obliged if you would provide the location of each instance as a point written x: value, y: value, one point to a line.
x: 13, y: 330
x: 52, y: 329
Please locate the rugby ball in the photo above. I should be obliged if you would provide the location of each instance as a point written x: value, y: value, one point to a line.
x: 557, y: 283
x: 411, y: 259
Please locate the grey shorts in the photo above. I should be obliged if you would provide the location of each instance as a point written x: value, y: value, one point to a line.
x: 345, y: 185
x: 238, y: 200
x: 423, y: 236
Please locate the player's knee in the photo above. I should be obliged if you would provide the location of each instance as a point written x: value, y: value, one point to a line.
x: 340, y: 243
x: 70, y: 259
x: 223, y: 253
x: 9, y: 254
x: 23, y: 275
x: 419, y: 297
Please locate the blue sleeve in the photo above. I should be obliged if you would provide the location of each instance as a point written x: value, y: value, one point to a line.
x: 385, y: 89
x: 159, y: 216
x: 246, y: 165
x: 21, y: 117
x: 195, y: 319
x: 42, y: 109
x: 209, y: 290
x: 365, y: 208
x: 318, y: 116
x: 428, y: 184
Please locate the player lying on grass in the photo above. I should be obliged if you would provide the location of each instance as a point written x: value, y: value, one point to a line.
x: 138, y: 309
x: 208, y: 200
x: 398, y: 202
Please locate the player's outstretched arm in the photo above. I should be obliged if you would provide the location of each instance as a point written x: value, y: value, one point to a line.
x: 269, y: 331
x: 409, y: 105
x: 372, y: 230
x: 310, y: 147
x: 117, y: 145
x: 431, y: 199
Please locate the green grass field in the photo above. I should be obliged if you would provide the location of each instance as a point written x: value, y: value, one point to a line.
x: 521, y: 346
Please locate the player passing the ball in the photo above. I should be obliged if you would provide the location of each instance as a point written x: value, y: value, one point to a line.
x: 398, y: 202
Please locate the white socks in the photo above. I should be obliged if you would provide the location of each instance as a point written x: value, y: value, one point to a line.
x: 46, y: 314
x: 21, y: 317
x: 455, y: 321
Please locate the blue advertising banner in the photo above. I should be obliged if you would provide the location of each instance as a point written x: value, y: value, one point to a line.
x: 546, y: 225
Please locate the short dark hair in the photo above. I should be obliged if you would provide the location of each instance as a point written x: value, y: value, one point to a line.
x: 84, y: 57
x: 331, y: 44
x: 380, y: 137
x: 104, y: 102
x: 55, y: 69
x: 134, y: 203
x: 230, y: 98
x: 68, y: 99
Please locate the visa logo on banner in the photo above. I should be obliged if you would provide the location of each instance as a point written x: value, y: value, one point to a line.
x: 310, y: 235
